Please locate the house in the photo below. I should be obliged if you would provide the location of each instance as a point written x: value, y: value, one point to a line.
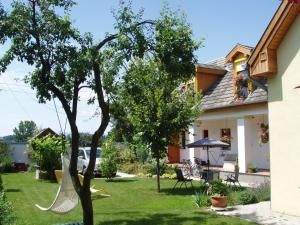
x: 234, y: 111
x: 277, y: 57
x: 18, y: 153
x: 45, y: 132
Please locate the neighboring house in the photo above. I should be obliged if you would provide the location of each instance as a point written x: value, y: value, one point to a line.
x: 234, y: 109
x: 18, y: 154
x: 277, y: 57
x: 44, y: 133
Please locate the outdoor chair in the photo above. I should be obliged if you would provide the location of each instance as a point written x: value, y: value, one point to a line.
x: 182, y: 179
x: 233, y: 178
x: 59, y: 174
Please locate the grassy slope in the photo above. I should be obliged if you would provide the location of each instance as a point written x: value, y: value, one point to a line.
x: 132, y: 201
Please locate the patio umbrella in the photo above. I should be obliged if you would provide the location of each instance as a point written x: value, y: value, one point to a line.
x: 207, y: 143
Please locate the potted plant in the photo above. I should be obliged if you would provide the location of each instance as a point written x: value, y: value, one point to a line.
x: 264, y: 133
x: 251, y: 168
x: 219, y: 192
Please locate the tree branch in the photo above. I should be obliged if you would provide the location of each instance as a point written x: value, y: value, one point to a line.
x: 104, y: 106
x: 84, y: 86
x: 114, y: 36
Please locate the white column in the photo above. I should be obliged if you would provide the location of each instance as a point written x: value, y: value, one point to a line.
x: 191, y: 138
x: 241, y: 139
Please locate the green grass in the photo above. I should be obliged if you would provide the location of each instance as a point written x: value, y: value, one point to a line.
x: 132, y: 202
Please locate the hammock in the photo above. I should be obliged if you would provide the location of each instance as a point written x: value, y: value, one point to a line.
x: 66, y: 198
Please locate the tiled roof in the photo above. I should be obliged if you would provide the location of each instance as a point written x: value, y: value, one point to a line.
x: 210, y: 66
x: 221, y: 93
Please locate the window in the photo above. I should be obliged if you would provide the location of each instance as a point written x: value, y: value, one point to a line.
x: 205, y: 133
x: 226, y: 136
x: 81, y: 153
x: 183, y: 140
x: 242, y: 82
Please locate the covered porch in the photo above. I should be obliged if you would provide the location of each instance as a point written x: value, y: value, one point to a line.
x: 241, y: 129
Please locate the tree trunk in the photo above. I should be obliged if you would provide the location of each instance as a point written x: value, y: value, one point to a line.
x: 158, y: 174
x: 87, y: 208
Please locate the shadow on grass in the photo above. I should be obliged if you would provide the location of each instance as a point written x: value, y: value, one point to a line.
x: 121, y: 180
x: 13, y: 190
x: 178, y: 191
x: 137, y: 218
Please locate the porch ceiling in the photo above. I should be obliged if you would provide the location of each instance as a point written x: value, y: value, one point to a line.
x: 233, y: 114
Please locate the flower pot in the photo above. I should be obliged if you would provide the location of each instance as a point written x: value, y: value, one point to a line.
x: 250, y: 170
x: 219, y: 201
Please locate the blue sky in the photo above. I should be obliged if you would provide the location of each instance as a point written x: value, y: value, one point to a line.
x: 222, y: 23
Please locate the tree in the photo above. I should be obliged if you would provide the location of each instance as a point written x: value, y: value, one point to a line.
x: 66, y: 62
x: 25, y: 130
x: 149, y: 100
x: 156, y: 107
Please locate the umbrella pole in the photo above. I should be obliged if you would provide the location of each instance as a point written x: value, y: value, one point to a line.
x: 207, y: 176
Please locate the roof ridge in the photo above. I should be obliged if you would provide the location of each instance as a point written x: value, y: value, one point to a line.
x: 221, y: 57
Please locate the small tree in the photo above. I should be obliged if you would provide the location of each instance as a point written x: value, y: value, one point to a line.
x: 109, y: 154
x: 150, y: 97
x: 25, y: 131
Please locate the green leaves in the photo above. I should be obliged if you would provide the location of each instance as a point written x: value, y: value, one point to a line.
x: 148, y: 103
x: 25, y: 130
x: 46, y: 152
x: 174, y: 44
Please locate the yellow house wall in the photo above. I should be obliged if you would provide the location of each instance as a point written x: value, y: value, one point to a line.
x: 284, y: 125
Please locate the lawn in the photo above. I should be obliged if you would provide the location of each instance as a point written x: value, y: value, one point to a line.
x: 132, y: 202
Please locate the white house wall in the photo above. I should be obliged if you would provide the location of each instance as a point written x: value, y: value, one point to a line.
x: 18, y: 155
x: 284, y: 114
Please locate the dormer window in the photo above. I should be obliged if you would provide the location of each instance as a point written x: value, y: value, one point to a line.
x: 241, y: 82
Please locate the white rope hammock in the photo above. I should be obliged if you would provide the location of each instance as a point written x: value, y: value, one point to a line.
x: 66, y: 198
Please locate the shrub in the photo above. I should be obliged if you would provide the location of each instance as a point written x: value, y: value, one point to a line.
x: 202, y: 200
x: 203, y: 188
x: 109, y: 154
x: 4, y: 150
x: 151, y: 168
x: 126, y: 156
x: 6, y: 212
x: 108, y: 168
x: 142, y: 153
x: 131, y: 168
x: 173, y: 176
x: 169, y: 169
x: 6, y: 165
x: 31, y: 167
x: 263, y: 192
x: 247, y: 197
x: 141, y: 175
x: 46, y: 152
x: 1, y: 184
x: 219, y: 188
x: 236, y: 188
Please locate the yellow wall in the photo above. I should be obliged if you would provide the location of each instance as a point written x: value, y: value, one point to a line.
x: 284, y: 124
